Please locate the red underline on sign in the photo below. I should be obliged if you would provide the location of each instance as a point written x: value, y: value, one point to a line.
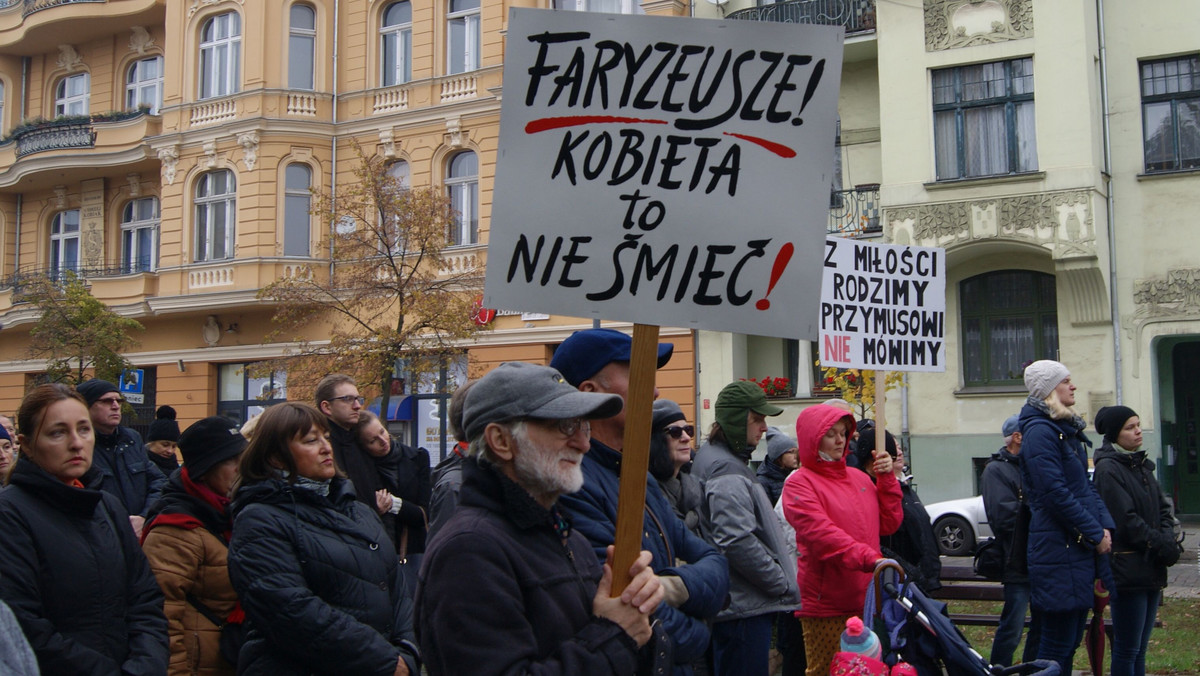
x: 777, y: 148
x: 547, y: 123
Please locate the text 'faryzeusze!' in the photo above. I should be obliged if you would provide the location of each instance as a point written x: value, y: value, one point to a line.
x: 712, y: 85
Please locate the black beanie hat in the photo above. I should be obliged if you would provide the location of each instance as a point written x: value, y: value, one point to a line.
x: 208, y: 442
x: 866, y: 446
x: 1110, y: 420
x: 164, y: 427
x: 92, y: 390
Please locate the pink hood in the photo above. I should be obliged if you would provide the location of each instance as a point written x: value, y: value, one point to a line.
x: 811, y: 426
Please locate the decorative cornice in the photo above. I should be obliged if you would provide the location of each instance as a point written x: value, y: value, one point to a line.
x: 1061, y: 222
x: 950, y: 24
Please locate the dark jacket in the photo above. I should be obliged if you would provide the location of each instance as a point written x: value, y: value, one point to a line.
x: 1067, y: 516
x: 507, y: 586
x: 1144, y: 541
x: 594, y: 513
x: 684, y: 494
x: 405, y: 472
x: 1000, y: 486
x: 125, y: 471
x: 914, y: 542
x: 447, y: 481
x: 74, y: 575
x: 358, y: 465
x: 771, y: 476
x: 737, y: 519
x: 319, y: 582
x: 167, y: 465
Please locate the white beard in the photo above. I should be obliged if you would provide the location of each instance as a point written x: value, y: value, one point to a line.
x: 538, y: 469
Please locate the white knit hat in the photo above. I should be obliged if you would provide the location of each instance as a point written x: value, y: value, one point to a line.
x: 1042, y: 376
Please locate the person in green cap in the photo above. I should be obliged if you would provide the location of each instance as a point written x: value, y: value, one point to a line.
x: 738, y: 519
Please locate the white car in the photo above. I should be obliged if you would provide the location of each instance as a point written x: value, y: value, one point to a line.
x: 959, y: 525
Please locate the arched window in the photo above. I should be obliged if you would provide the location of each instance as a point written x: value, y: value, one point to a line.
x: 139, y: 235
x: 220, y: 55
x: 143, y: 84
x: 462, y: 184
x: 302, y: 45
x: 72, y: 94
x: 1009, y: 318
x: 463, y: 31
x: 64, y: 242
x: 297, y: 203
x: 396, y: 44
x: 216, y: 214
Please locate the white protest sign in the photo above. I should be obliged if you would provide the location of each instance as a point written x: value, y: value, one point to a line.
x: 883, y: 306
x: 666, y: 171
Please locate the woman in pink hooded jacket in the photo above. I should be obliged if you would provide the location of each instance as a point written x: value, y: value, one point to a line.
x: 838, y: 515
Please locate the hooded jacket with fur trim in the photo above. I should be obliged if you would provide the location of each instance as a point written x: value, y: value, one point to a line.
x: 838, y: 515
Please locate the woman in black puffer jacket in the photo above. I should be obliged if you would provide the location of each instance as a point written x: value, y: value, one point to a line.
x: 1144, y: 540
x: 315, y: 572
x: 73, y: 572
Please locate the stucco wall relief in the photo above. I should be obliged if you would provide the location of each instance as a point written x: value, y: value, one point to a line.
x: 197, y: 5
x: 1172, y: 297
x: 950, y: 24
x: 1061, y: 222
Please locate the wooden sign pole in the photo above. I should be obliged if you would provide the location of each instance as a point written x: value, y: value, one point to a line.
x: 880, y: 412
x: 635, y: 454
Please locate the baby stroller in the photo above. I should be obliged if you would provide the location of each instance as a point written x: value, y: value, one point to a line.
x: 914, y: 628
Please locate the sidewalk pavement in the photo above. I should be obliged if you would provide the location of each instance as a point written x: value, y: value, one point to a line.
x: 1183, y: 578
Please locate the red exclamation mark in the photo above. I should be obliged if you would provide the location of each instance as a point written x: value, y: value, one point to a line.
x: 781, y: 261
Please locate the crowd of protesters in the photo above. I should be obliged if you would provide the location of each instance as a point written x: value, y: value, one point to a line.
x: 309, y: 541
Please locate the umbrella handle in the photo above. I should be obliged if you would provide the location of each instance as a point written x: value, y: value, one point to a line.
x: 884, y: 565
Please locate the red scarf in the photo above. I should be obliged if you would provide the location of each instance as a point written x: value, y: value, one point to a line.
x: 199, y: 491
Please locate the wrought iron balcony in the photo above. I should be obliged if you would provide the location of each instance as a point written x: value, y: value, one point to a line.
x: 858, y: 16
x: 20, y: 280
x: 853, y: 213
x: 32, y: 6
x: 55, y: 137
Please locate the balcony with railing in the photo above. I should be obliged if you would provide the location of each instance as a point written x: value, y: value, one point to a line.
x: 38, y: 25
x: 74, y: 144
x: 111, y: 284
x: 857, y: 16
x: 855, y: 213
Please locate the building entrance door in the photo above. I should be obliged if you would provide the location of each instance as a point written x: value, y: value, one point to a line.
x: 1186, y: 359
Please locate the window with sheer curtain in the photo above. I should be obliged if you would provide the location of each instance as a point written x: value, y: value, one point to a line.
x: 1171, y: 113
x: 139, y: 235
x: 983, y: 120
x: 1009, y: 319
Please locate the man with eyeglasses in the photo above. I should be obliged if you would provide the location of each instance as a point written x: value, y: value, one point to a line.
x: 338, y: 398
x: 597, y: 360
x: 120, y: 454
x: 507, y: 585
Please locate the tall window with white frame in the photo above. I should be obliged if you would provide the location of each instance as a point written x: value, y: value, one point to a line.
x: 143, y: 84
x: 1009, y: 319
x: 220, y: 55
x: 64, y: 242
x: 297, y: 203
x: 216, y: 208
x: 462, y: 27
x: 462, y: 184
x: 72, y: 94
x: 395, y: 49
x: 398, y: 172
x: 302, y: 45
x: 139, y: 235
x: 983, y: 120
x: 1171, y: 113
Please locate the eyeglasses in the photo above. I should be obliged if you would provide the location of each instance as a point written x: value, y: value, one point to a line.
x: 350, y: 399
x: 111, y: 401
x: 568, y: 427
x: 678, y: 432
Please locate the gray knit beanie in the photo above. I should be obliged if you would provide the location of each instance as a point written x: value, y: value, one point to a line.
x: 1042, y: 376
x: 778, y: 443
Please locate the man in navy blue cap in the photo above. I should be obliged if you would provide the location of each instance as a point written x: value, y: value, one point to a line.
x: 597, y: 360
x: 1003, y: 499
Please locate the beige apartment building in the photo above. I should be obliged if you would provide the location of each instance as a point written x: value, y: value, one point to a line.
x: 165, y: 151
x: 1052, y: 147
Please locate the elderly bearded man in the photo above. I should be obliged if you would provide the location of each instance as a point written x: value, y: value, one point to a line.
x: 507, y: 586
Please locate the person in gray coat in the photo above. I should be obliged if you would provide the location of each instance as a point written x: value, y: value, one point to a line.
x: 739, y: 520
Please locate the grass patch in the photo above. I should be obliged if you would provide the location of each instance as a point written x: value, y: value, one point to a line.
x: 1174, y: 647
